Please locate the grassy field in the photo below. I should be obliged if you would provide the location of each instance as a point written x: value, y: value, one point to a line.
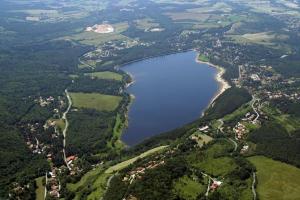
x: 203, y: 58
x: 269, y: 39
x: 60, y: 123
x: 291, y: 124
x: 202, y: 138
x: 239, y: 113
x: 187, y: 188
x: 146, y: 23
x: 105, y: 75
x: 126, y: 163
x: 276, y: 180
x: 95, y: 180
x: 40, y: 190
x: 211, y: 161
x: 96, y: 101
x: 217, y: 166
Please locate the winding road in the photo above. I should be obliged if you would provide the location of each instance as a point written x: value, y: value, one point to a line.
x: 234, y: 143
x: 253, y: 186
x: 64, y: 117
x: 220, y: 128
x: 254, y: 109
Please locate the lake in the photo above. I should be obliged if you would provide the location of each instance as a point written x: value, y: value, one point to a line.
x: 169, y: 91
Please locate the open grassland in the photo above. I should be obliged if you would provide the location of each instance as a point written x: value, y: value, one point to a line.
x: 211, y: 161
x: 269, y: 39
x: 188, y: 188
x: 203, y: 58
x: 202, y: 138
x: 291, y: 124
x: 40, y: 190
x: 105, y: 75
x: 276, y: 180
x: 95, y: 180
x: 60, y: 123
x: 116, y: 142
x: 96, y: 39
x: 96, y: 101
x: 126, y: 163
x: 239, y: 113
x: 146, y: 23
x: 217, y: 166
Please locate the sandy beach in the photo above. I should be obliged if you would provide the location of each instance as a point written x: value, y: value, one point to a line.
x: 223, y: 84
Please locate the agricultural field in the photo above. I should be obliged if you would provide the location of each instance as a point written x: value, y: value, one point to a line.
x: 276, y: 180
x: 96, y: 39
x: 105, y: 75
x: 95, y: 101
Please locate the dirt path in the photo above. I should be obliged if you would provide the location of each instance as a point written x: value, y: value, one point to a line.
x: 64, y: 117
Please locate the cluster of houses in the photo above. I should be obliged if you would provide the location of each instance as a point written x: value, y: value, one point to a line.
x: 240, y: 131
x: 249, y: 117
x: 282, y: 94
x: 244, y: 149
x: 43, y: 102
x: 71, y: 164
x: 53, y: 183
x: 139, y: 171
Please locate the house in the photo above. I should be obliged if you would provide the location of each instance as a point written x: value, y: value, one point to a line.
x: 215, y: 185
x: 203, y: 128
x: 71, y: 158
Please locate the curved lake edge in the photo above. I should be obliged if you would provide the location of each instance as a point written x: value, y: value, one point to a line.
x: 223, y: 85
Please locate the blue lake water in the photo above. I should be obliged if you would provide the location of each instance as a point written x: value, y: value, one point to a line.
x: 169, y: 91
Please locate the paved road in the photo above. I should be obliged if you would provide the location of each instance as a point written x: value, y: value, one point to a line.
x: 220, y: 127
x: 64, y: 117
x: 254, y: 109
x: 86, y: 64
x: 234, y: 143
x: 253, y: 186
x: 45, y: 194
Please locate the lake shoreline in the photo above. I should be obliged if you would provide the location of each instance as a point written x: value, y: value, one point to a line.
x: 223, y: 84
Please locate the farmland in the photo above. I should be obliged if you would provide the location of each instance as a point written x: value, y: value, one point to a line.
x: 95, y: 101
x: 276, y: 180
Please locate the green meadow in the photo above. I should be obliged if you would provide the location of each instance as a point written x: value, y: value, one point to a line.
x: 276, y: 180
x: 96, y: 101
